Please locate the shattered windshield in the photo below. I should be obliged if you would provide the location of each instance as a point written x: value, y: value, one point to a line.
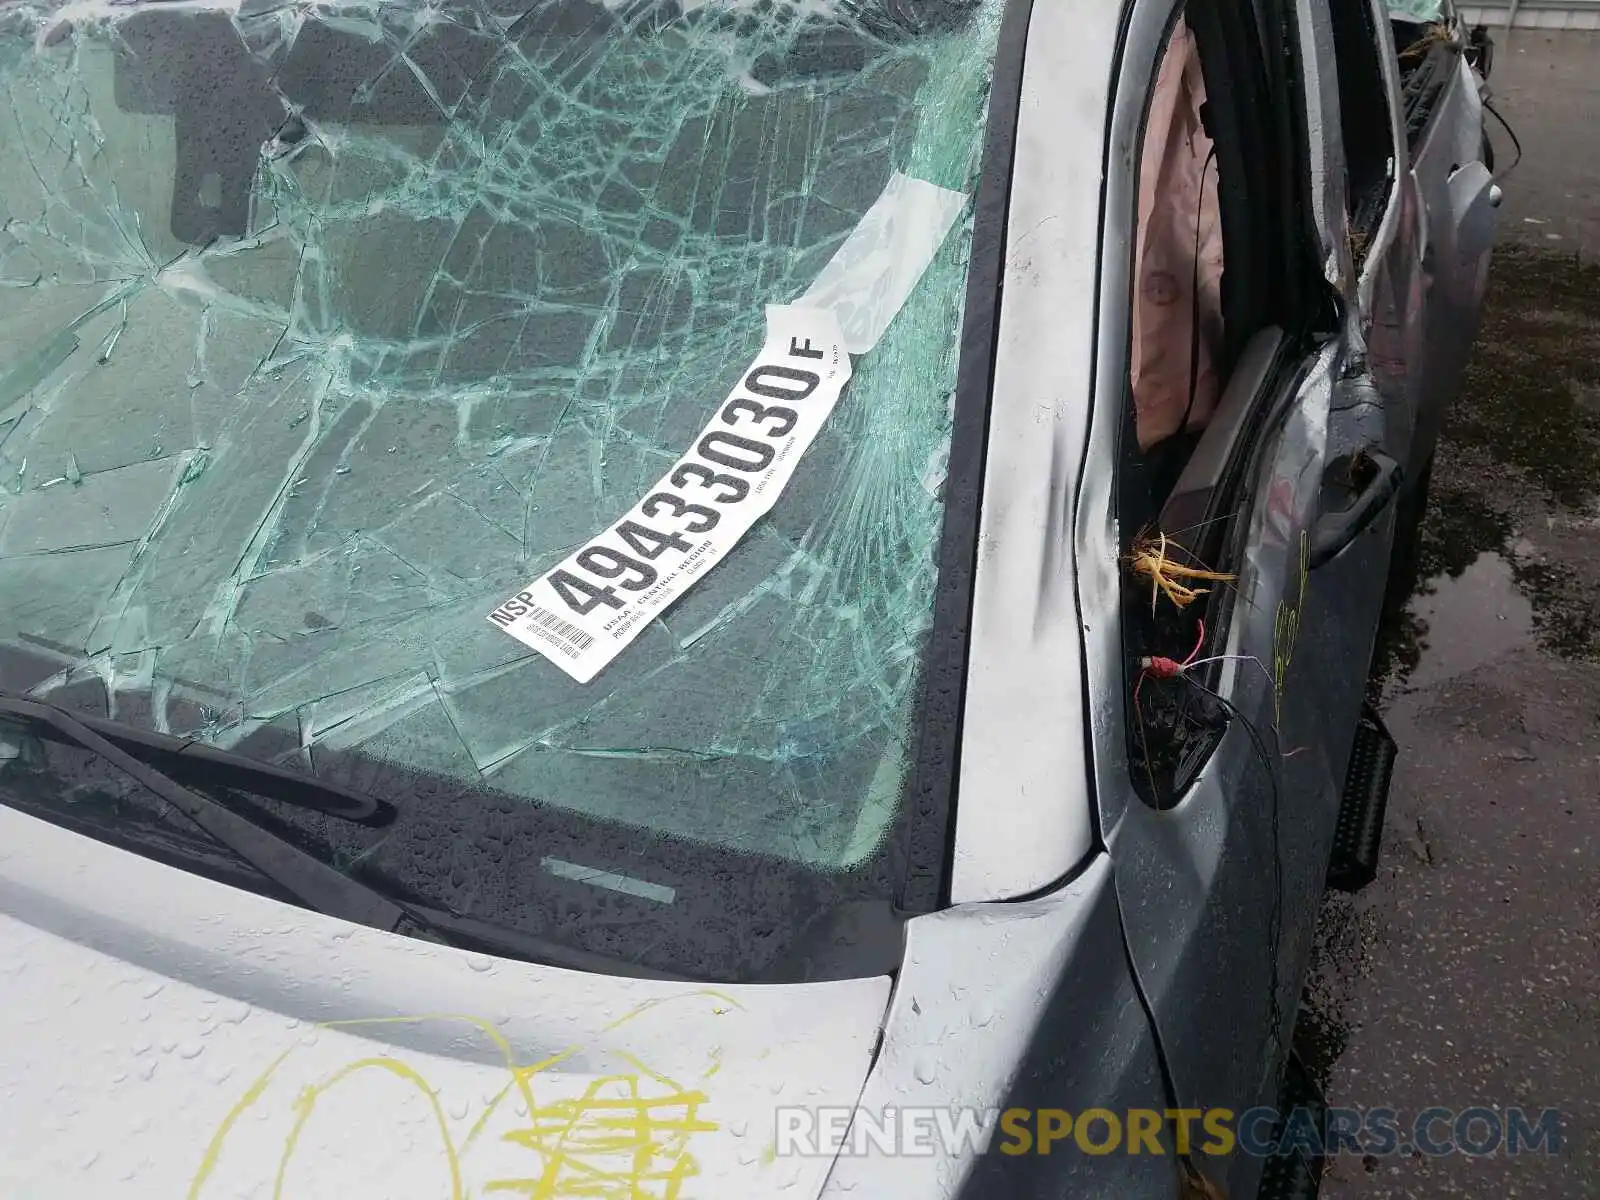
x: 325, y: 328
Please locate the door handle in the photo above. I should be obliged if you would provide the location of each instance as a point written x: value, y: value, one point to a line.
x: 1337, y: 529
x: 1474, y: 197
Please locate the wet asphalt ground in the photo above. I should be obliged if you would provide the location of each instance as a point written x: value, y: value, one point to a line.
x: 1469, y: 973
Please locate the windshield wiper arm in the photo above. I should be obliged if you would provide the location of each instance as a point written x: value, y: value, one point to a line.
x: 305, y: 877
x: 189, y: 761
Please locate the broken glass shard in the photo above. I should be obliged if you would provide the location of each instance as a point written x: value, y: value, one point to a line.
x: 323, y: 328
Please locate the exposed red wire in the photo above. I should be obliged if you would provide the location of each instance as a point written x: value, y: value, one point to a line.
x: 1160, y: 667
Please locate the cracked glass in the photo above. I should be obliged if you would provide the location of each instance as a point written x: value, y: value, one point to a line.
x: 325, y: 327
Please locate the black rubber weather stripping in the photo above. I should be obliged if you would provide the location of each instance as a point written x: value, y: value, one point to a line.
x: 938, y: 713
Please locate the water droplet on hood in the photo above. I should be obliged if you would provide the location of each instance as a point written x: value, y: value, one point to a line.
x: 925, y: 1070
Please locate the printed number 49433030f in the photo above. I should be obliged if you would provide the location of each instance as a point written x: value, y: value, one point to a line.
x: 594, y: 602
x: 718, y: 474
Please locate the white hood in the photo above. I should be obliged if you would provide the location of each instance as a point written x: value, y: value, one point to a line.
x: 165, y: 1036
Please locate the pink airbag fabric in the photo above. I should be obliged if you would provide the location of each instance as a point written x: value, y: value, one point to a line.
x: 1177, y: 214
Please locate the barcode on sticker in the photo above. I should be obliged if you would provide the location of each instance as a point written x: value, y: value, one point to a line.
x: 564, y: 635
x: 619, y: 581
x: 584, y: 610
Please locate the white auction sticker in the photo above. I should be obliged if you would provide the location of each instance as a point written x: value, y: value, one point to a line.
x: 584, y: 612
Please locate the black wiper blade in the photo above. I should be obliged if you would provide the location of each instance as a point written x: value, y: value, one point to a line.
x: 305, y: 877
x: 198, y: 764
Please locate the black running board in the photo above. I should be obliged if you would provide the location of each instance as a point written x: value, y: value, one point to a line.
x: 1297, y: 1174
x: 1359, y: 835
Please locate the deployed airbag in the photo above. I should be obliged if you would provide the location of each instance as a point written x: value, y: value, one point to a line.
x: 1177, y: 300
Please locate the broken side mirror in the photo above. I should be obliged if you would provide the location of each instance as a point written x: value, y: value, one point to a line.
x: 1480, y: 50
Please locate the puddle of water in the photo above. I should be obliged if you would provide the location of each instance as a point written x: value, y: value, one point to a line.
x: 1470, y: 619
x: 1522, y: 437
x: 1529, y: 397
x: 1528, y: 419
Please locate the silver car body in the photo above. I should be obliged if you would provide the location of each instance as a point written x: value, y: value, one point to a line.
x: 166, y: 1036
